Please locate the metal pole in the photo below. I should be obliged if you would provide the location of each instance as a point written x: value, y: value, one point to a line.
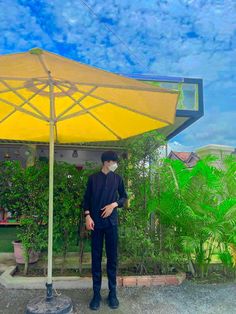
x: 50, y: 210
x: 58, y: 304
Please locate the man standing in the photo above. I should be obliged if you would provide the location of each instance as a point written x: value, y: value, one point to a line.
x: 104, y: 193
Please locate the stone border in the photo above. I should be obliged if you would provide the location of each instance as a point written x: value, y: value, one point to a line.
x: 20, y: 282
x: 75, y: 282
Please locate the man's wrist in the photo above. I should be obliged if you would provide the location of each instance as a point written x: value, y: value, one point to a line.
x: 86, y: 213
x: 115, y: 204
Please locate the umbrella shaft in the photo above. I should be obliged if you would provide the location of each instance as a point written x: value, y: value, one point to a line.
x: 50, y: 213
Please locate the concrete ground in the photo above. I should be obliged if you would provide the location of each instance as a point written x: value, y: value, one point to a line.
x: 189, y: 297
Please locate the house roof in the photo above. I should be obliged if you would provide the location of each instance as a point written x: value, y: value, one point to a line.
x: 188, y: 158
x: 183, y: 155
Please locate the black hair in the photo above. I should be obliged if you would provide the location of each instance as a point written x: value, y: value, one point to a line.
x: 109, y: 155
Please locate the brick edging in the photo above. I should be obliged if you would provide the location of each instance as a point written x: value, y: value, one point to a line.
x: 150, y: 280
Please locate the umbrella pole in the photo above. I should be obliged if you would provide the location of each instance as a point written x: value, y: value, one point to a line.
x: 50, y: 205
x: 51, y: 304
x: 50, y: 210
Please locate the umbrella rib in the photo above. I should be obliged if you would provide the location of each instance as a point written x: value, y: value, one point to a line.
x: 78, y: 113
x: 143, y: 88
x: 17, y: 88
x: 90, y: 113
x: 156, y: 89
x: 19, y: 78
x: 11, y: 113
x: 48, y: 72
x: 26, y: 101
x: 22, y: 109
x: 75, y: 101
x: 125, y: 107
x: 131, y: 109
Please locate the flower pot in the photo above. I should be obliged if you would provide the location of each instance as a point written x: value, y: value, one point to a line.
x: 18, y: 253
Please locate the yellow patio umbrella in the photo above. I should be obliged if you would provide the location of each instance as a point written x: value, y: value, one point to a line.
x: 48, y: 98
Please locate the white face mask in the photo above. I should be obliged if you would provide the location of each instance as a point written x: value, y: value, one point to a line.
x: 113, y: 167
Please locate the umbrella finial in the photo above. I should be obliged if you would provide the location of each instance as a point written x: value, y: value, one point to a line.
x: 36, y: 51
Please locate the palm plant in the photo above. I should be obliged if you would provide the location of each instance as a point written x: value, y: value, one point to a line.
x: 190, y: 201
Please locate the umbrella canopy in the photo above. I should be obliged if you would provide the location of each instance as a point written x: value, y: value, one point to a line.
x: 45, y: 97
x: 90, y: 104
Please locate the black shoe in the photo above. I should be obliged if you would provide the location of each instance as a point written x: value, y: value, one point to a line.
x: 95, y: 302
x: 112, y: 300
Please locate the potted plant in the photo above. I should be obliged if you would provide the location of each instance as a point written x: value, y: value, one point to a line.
x: 30, y: 242
x: 21, y: 255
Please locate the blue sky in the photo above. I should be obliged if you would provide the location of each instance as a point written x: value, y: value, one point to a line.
x: 191, y: 38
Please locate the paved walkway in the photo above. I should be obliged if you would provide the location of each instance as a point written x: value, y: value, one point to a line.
x: 186, y: 298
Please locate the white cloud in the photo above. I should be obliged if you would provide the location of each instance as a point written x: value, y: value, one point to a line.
x: 19, y: 29
x: 193, y: 38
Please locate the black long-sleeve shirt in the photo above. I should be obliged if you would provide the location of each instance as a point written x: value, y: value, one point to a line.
x: 103, y: 189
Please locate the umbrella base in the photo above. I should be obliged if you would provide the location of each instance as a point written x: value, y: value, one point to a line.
x: 57, y: 305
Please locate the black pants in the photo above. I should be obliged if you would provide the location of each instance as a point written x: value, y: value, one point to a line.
x: 111, y: 240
